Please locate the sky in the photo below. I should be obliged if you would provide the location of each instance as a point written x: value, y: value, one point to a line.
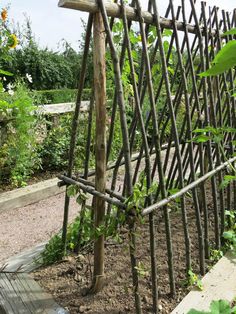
x: 50, y: 23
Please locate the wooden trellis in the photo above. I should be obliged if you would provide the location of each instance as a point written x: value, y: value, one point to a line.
x: 174, y: 162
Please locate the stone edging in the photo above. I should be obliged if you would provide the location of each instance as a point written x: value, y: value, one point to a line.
x: 29, y: 194
x: 218, y: 283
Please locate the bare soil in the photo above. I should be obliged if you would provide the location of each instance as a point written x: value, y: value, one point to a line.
x: 67, y: 280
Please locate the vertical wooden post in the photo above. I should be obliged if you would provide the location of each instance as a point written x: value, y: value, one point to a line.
x: 100, y: 176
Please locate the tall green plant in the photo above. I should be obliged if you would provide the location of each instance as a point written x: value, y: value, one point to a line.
x: 18, y: 154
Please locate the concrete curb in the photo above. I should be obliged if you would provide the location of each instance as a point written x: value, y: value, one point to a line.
x: 218, y: 283
x: 29, y: 194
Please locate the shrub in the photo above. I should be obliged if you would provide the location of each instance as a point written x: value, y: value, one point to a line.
x: 56, y: 96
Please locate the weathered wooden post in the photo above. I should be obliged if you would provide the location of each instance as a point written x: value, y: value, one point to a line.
x: 100, y: 176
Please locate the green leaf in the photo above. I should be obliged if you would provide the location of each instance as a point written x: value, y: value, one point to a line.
x: 216, y: 307
x: 232, y: 31
x: 6, y: 73
x: 220, y: 307
x: 224, y: 60
x: 226, y: 181
x: 208, y: 128
x: 167, y: 32
x: 72, y: 190
x: 201, y: 138
x: 228, y: 235
x: 229, y: 213
x: 192, y: 311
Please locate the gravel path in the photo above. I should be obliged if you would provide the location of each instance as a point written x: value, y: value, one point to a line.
x: 25, y: 227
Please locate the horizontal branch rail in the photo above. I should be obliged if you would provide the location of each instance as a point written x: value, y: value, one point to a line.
x: 86, y: 182
x: 114, y: 10
x: 91, y: 190
x: 188, y: 187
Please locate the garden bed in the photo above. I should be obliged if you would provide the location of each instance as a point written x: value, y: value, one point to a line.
x: 66, y: 280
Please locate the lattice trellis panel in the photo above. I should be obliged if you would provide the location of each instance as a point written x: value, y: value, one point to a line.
x: 166, y: 101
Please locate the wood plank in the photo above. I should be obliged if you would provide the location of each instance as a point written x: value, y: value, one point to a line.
x: 21, y: 294
x: 41, y: 299
x: 61, y: 108
x: 13, y: 296
x: 52, y: 109
x: 5, y: 305
x: 25, y: 296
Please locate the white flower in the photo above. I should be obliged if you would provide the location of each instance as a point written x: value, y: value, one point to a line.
x: 29, y: 77
x: 11, y: 92
x: 4, y: 79
x: 10, y: 86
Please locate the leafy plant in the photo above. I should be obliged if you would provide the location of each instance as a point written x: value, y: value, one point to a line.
x: 142, y: 270
x: 217, y: 307
x: 194, y: 280
x: 215, y: 255
x: 18, y: 154
x: 226, y: 57
x: 217, y: 135
x: 53, y: 251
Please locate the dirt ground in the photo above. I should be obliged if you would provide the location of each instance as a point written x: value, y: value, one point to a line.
x: 67, y: 280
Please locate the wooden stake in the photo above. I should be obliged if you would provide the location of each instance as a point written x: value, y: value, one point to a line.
x: 100, y: 175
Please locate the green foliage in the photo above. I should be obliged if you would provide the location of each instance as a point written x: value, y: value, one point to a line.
x: 217, y: 135
x: 48, y: 69
x: 230, y: 237
x: 54, y: 149
x: 65, y: 95
x: 229, y: 234
x: 217, y: 307
x: 225, y: 58
x: 18, y: 154
x: 8, y: 40
x: 194, y: 280
x: 215, y: 255
x: 53, y: 251
x: 56, y: 96
x: 232, y: 31
x: 142, y: 270
x: 117, y: 138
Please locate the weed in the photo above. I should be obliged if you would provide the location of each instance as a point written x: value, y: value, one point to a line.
x: 142, y: 270
x: 194, y: 280
x: 215, y: 255
x: 217, y: 307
